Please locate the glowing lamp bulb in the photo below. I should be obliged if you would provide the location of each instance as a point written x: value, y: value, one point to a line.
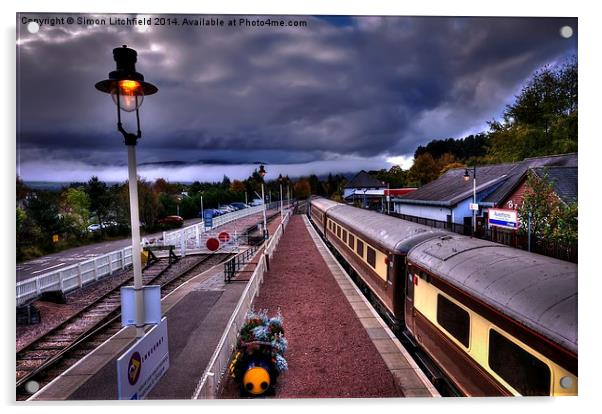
x: 130, y: 95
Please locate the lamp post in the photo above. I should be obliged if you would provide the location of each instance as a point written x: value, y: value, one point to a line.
x: 202, y: 212
x: 128, y: 89
x: 262, y: 173
x: 474, y: 195
x: 280, y: 179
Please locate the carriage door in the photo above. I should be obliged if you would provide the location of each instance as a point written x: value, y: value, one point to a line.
x: 409, y: 297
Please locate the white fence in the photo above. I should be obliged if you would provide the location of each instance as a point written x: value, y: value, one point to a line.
x: 191, y: 236
x: 75, y: 276
x: 209, y: 384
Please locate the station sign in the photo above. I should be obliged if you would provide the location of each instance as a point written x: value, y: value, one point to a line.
x: 152, y: 305
x: 473, y: 207
x: 141, y: 367
x: 208, y: 219
x: 504, y: 218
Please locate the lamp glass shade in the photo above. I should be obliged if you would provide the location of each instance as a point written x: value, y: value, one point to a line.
x: 131, y: 95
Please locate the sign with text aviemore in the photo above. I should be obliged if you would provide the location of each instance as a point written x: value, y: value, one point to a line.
x: 507, y: 219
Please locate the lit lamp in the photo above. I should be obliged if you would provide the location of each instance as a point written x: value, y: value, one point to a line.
x: 474, y: 195
x: 128, y: 88
x: 262, y: 173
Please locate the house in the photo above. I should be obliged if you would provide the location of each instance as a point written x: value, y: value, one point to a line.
x: 365, y: 190
x: 448, y: 198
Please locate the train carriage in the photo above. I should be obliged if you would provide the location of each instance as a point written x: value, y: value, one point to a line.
x: 317, y: 211
x: 375, y: 246
x: 496, y: 320
x: 499, y: 320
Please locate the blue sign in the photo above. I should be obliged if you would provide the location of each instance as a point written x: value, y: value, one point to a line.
x: 208, y: 218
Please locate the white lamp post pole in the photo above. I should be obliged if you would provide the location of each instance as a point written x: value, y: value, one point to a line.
x: 136, y: 250
x: 202, y: 212
x: 474, y: 199
x: 265, y: 221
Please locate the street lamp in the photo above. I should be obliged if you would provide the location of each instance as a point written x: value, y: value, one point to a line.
x: 474, y: 195
x: 262, y: 173
x: 128, y: 88
x: 280, y: 179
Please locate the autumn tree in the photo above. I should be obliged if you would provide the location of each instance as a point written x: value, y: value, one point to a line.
x: 237, y: 186
x: 551, y: 219
x: 302, y: 189
x: 424, y: 170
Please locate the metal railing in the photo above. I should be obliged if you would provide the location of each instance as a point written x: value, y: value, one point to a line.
x: 237, y: 263
x: 194, y: 232
x: 208, y: 386
x: 75, y: 276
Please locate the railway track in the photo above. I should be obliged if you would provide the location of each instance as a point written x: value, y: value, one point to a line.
x: 47, y: 357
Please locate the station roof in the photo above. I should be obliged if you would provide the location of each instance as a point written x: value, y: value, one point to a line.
x: 365, y: 180
x: 450, y: 189
x: 538, y: 291
x: 563, y: 180
x: 498, y: 196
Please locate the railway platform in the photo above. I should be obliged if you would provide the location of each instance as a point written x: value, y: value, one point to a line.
x: 197, y: 313
x: 339, y: 347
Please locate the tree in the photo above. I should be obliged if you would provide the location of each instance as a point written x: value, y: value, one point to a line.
x: 76, y: 208
x: 237, y: 186
x: 424, y: 170
x: 98, y: 194
x: 22, y: 190
x: 302, y: 189
x: 43, y: 210
x: 551, y: 219
x: 543, y: 118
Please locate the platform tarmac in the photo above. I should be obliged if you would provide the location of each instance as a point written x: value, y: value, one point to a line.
x: 339, y: 347
x: 197, y: 313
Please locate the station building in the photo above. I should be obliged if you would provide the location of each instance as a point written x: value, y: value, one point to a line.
x: 447, y: 199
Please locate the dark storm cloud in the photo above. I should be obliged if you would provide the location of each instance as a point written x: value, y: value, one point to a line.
x: 365, y: 86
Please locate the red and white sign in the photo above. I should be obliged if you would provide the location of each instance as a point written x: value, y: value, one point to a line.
x: 224, y: 237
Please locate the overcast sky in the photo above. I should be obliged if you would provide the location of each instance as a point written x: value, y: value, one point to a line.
x: 342, y: 94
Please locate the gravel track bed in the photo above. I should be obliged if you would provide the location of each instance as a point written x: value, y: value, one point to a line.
x: 53, y: 314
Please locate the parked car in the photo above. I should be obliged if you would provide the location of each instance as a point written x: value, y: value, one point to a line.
x: 94, y: 228
x: 239, y: 206
x: 257, y: 202
x: 170, y: 222
x: 227, y: 208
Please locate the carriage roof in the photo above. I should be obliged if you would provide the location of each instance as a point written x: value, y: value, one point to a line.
x: 538, y: 291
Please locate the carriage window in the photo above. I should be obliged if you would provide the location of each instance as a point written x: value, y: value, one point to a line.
x: 360, y: 247
x: 351, y: 240
x: 371, y: 256
x: 453, y: 319
x: 525, y: 373
x: 344, y: 236
x: 339, y: 232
